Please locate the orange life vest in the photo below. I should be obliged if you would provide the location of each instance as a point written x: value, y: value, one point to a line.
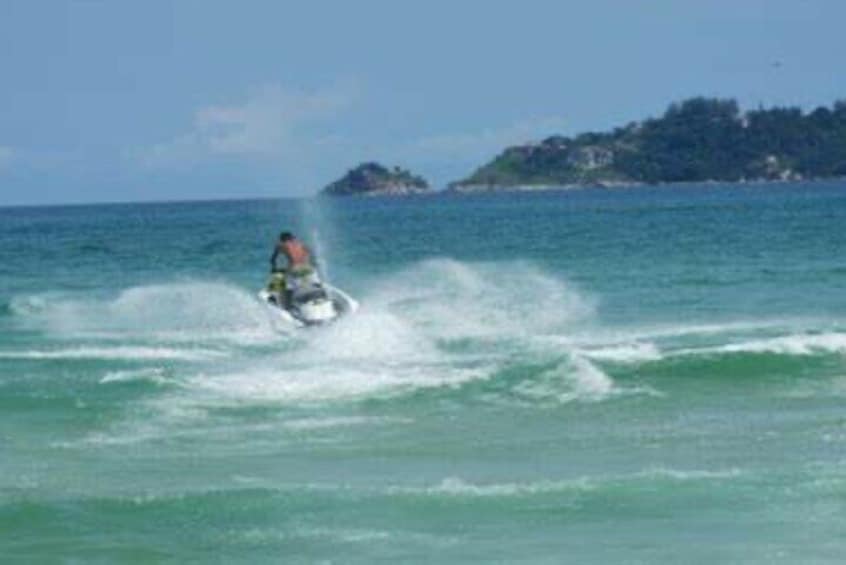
x: 296, y: 253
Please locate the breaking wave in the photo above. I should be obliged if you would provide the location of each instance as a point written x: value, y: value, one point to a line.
x: 439, y: 324
x: 503, y: 332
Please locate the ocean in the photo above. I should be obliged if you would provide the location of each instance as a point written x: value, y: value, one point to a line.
x: 644, y: 375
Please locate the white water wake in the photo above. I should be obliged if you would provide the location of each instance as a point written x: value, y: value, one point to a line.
x: 172, y: 312
x: 437, y: 324
x: 497, y: 333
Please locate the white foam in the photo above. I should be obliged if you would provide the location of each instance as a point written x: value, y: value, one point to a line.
x: 689, y: 475
x: 448, y: 299
x: 344, y: 535
x: 574, y: 379
x: 625, y: 353
x: 650, y: 333
x: 792, y: 345
x: 371, y: 336
x: 797, y: 344
x: 116, y: 353
x: 590, y: 382
x: 400, y: 341
x: 186, y: 311
x: 454, y: 486
x: 395, y: 343
x: 737, y: 337
x: 153, y: 374
x: 316, y: 384
x: 310, y: 424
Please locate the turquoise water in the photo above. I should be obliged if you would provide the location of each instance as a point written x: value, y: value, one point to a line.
x: 638, y: 376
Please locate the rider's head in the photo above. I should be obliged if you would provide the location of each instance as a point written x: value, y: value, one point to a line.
x: 286, y: 236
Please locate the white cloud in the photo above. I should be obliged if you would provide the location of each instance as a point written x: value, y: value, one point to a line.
x: 273, y: 123
x: 297, y: 140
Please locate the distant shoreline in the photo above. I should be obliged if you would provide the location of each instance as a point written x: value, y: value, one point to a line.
x: 444, y: 192
x: 526, y: 188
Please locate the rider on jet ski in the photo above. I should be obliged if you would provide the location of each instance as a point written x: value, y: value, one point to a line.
x: 299, y: 266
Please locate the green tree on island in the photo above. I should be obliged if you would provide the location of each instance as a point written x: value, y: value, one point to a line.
x: 699, y: 139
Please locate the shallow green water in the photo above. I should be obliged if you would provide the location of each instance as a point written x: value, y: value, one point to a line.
x: 640, y: 376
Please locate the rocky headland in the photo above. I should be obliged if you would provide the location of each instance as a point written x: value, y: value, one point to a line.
x: 697, y: 140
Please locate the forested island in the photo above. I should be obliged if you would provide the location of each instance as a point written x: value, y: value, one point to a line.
x: 697, y: 140
x: 373, y: 179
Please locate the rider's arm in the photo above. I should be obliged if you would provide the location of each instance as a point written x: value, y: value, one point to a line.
x: 273, y: 257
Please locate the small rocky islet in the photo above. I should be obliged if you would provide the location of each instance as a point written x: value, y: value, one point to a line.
x: 373, y: 179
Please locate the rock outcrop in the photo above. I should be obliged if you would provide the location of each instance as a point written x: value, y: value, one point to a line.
x: 372, y: 179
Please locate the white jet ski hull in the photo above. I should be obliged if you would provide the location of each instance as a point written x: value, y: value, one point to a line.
x: 337, y: 305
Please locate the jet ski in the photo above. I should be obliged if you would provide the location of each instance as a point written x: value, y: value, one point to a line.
x: 302, y: 299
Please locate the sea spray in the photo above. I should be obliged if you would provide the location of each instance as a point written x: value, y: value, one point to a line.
x: 453, y: 299
x: 179, y: 311
x: 317, y: 221
x: 407, y: 339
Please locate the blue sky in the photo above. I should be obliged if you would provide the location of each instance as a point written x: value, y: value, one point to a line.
x: 126, y: 101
